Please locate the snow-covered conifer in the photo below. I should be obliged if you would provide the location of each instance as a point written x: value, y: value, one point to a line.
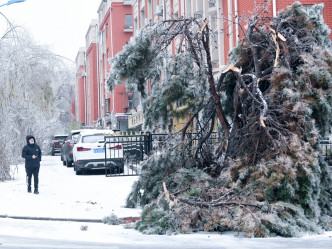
x: 272, y: 102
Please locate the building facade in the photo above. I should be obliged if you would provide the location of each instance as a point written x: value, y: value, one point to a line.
x: 223, y: 19
x: 118, y: 20
x: 91, y: 73
x: 105, y: 37
x: 115, y: 29
x: 80, y: 96
x: 146, y: 11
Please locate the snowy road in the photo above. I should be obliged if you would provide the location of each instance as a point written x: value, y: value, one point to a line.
x: 65, y: 195
x: 21, y: 234
x: 9, y: 242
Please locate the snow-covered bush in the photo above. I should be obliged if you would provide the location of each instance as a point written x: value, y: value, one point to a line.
x: 111, y: 220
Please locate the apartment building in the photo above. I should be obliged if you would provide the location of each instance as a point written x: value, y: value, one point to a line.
x: 118, y: 20
x: 80, y: 96
x: 115, y: 29
x: 145, y: 11
x: 86, y: 78
x: 105, y: 37
x: 223, y: 18
x: 91, y: 73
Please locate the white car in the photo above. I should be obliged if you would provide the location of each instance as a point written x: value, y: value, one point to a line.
x: 89, y: 152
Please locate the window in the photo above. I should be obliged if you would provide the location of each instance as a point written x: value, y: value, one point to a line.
x: 188, y: 5
x: 212, y: 3
x: 155, y: 3
x: 176, y: 15
x: 93, y: 138
x: 130, y: 100
x: 142, y: 18
x: 75, y: 136
x: 313, y: 10
x: 129, y: 22
x: 149, y: 9
x: 102, y: 37
x: 59, y: 137
x: 200, y: 6
x: 107, y: 106
x: 136, y: 24
x: 180, y: 103
x: 307, y: 7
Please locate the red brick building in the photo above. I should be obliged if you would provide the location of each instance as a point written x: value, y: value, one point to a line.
x: 91, y: 73
x: 232, y: 9
x: 223, y: 18
x: 80, y: 98
x: 115, y: 27
x: 118, y: 20
x: 104, y: 39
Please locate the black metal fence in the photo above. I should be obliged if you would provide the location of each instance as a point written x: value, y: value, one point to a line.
x: 134, y: 148
x: 327, y: 152
x: 127, y: 151
x: 130, y: 150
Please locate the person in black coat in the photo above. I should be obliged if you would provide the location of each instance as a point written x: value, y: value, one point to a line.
x: 32, y: 155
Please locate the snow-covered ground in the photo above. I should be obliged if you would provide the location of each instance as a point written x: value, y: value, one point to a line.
x: 65, y: 195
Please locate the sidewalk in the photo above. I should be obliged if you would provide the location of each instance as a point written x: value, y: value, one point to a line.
x: 66, y: 196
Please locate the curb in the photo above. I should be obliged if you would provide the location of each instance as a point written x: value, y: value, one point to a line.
x: 121, y: 220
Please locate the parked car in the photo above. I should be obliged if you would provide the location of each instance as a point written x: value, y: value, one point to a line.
x: 89, y: 152
x: 56, y: 143
x: 66, y: 152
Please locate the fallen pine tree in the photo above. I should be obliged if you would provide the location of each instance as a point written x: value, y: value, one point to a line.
x: 272, y: 103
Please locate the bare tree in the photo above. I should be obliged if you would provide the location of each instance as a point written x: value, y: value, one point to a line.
x: 30, y: 76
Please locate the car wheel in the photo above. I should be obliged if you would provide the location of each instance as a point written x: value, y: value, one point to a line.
x: 69, y: 164
x: 77, y: 171
x: 52, y: 153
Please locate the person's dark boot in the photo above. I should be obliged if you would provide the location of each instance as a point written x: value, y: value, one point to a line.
x: 29, y: 189
x: 36, y: 191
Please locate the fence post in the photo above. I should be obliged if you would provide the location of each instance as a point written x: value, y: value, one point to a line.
x: 105, y: 156
x: 148, y: 143
x: 141, y: 147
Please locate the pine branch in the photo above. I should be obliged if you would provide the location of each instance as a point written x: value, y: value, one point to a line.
x: 206, y: 137
x: 203, y: 204
x: 216, y: 97
x: 185, y: 128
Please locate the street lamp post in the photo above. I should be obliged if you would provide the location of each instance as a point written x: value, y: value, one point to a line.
x: 11, y: 2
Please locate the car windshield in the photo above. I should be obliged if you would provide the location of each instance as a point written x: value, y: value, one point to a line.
x: 93, y: 138
x: 75, y: 136
x: 59, y: 137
